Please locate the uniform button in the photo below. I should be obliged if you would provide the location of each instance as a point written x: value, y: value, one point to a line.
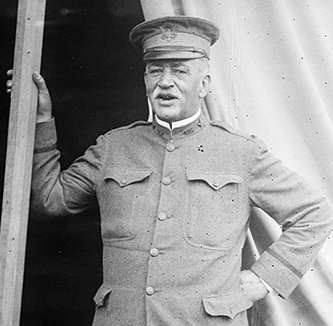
x: 123, y: 181
x: 154, y: 252
x: 162, y: 216
x: 166, y: 181
x: 170, y: 147
x: 150, y: 290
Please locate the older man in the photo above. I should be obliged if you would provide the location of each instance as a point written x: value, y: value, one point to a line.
x: 175, y: 197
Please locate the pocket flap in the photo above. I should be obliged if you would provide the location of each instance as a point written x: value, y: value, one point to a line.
x: 214, y: 179
x: 100, y: 295
x: 228, y: 305
x: 125, y: 176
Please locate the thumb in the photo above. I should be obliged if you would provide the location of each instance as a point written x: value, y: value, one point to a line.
x: 44, y: 99
x: 39, y: 81
x: 41, y: 85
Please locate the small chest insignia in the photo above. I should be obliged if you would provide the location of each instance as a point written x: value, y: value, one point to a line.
x: 189, y: 131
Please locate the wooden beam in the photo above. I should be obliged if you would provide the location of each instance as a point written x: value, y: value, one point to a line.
x: 21, y: 134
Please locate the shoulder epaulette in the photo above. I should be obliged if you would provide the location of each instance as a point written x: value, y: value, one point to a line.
x: 130, y: 126
x: 232, y: 130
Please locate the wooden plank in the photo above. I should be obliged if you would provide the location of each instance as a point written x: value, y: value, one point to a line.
x: 21, y: 133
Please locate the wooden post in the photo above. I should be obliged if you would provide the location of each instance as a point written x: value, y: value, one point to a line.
x: 21, y: 134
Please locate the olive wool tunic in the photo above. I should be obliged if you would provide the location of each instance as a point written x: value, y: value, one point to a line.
x: 175, y: 208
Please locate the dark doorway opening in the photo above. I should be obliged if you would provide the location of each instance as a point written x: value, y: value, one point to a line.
x: 95, y: 77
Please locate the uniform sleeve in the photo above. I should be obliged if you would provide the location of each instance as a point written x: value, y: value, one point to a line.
x: 56, y: 192
x: 304, y: 214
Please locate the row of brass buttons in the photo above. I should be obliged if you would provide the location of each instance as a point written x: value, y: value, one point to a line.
x: 154, y: 252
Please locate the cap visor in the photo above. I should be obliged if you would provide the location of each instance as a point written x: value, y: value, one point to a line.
x: 162, y: 55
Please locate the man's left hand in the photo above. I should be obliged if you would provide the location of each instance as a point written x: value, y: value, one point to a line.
x: 252, y: 286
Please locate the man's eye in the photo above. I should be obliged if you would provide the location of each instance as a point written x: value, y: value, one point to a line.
x: 155, y: 71
x: 180, y: 72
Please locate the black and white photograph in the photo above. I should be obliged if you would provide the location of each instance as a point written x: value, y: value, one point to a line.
x: 166, y: 163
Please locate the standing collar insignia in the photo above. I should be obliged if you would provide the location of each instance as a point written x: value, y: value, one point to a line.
x: 169, y: 32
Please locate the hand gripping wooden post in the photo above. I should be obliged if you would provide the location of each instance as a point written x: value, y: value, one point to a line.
x: 21, y: 134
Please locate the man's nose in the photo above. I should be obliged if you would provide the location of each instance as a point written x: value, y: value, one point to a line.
x: 166, y: 79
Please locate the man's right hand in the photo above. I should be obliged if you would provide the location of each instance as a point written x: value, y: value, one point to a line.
x: 44, y: 109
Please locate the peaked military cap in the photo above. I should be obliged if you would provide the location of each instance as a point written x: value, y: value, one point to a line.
x: 175, y: 37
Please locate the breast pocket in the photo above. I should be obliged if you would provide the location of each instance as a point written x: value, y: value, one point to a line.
x: 122, y: 202
x: 212, y: 210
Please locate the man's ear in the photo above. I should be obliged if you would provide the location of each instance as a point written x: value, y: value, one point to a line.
x: 205, y: 83
x: 145, y: 77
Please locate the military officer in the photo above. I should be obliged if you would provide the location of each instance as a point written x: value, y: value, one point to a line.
x: 175, y: 196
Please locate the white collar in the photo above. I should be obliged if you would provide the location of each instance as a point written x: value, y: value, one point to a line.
x: 180, y: 123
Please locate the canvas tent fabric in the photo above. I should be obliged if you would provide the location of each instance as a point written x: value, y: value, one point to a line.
x: 272, y: 76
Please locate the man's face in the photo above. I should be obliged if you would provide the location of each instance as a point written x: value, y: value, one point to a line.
x: 176, y: 87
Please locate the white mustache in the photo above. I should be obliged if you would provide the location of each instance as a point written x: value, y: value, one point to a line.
x: 166, y: 96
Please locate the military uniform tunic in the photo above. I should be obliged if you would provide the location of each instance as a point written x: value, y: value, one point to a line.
x: 175, y: 207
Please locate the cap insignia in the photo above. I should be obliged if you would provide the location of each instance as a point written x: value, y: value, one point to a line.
x: 169, y: 32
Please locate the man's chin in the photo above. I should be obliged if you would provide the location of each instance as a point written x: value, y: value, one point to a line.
x: 168, y: 117
x: 167, y: 112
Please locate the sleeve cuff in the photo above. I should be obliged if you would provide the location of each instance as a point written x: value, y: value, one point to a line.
x: 281, y: 278
x: 46, y: 136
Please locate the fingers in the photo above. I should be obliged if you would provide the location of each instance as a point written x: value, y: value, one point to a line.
x: 44, y: 109
x: 9, y: 85
x: 38, y: 79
